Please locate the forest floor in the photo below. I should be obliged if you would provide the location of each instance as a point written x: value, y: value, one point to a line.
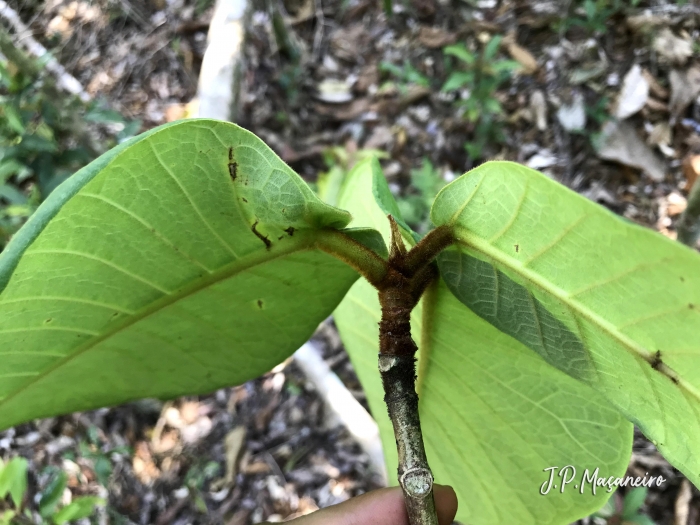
x: 600, y: 95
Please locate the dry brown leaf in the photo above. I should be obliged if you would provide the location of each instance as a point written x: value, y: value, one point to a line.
x: 344, y: 111
x: 521, y: 55
x: 685, y: 86
x: 673, y: 48
x: 144, y: 467
x: 175, y: 112
x: 660, y: 136
x: 305, y: 11
x: 657, y: 105
x: 349, y: 43
x: 655, y: 88
x: 572, y: 116
x: 691, y: 169
x: 368, y: 76
x: 676, y: 204
x: 392, y: 106
x: 619, y: 142
x: 234, y: 442
x: 645, y: 21
x: 334, y: 91
x: 240, y: 517
x: 379, y: 139
x: 258, y: 467
x: 634, y: 93
x: 435, y: 37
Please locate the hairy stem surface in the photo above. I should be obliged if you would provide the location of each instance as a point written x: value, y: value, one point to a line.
x: 408, y: 275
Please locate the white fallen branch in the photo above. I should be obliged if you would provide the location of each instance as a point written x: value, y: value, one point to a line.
x: 219, y: 79
x: 344, y: 407
x: 23, y: 39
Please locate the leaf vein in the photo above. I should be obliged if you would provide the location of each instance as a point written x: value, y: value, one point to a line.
x: 194, y: 206
x: 102, y: 261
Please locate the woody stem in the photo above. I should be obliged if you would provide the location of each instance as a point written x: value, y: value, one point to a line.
x: 408, y: 275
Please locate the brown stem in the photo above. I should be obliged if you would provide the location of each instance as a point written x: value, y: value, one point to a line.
x: 408, y: 275
x: 688, y: 226
x: 416, y: 479
x: 400, y: 281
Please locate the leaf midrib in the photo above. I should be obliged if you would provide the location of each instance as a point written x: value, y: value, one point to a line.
x: 470, y: 240
x: 302, y: 241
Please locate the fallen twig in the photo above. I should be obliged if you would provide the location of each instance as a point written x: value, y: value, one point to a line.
x: 23, y: 38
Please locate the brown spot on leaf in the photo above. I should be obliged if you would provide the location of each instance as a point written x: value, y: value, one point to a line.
x: 682, y: 280
x: 656, y: 362
x: 49, y: 320
x: 260, y: 304
x: 290, y: 231
x: 517, y: 248
x: 691, y: 305
x: 230, y: 153
x: 260, y: 236
x: 244, y: 200
x: 233, y: 170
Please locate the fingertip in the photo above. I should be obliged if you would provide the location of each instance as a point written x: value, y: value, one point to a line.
x: 445, y: 503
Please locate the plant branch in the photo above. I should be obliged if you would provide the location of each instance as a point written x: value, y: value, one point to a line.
x: 363, y: 260
x: 428, y: 248
x: 400, y: 282
x: 688, y: 226
x: 416, y: 479
x: 408, y: 276
x: 24, y: 37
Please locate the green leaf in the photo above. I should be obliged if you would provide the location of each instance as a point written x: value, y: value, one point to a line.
x: 329, y: 184
x: 610, y: 303
x: 35, y: 143
x: 608, y: 510
x: 384, y: 198
x: 14, y: 119
x: 79, y: 508
x: 7, y: 516
x: 505, y: 66
x: 11, y: 167
x: 461, y: 52
x: 13, y: 480
x: 634, y: 500
x: 12, y: 194
x: 51, y: 496
x: 492, y: 47
x: 457, y: 80
x: 175, y: 264
x: 102, y: 114
x: 494, y: 415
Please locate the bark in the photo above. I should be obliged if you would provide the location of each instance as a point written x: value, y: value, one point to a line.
x: 688, y: 226
x: 398, y: 377
x: 408, y: 276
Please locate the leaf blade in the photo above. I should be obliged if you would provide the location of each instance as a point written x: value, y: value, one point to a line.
x: 128, y: 286
x: 619, y: 293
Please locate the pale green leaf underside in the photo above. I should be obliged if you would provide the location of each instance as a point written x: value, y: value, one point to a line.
x: 494, y: 414
x: 596, y: 296
x: 148, y: 280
